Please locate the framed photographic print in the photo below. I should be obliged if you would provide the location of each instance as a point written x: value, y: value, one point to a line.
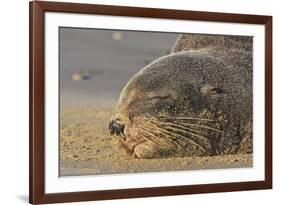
x: 139, y: 102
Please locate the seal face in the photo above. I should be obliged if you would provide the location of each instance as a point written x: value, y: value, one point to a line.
x: 189, y: 103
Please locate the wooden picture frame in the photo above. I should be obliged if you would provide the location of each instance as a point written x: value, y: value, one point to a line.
x: 37, y: 10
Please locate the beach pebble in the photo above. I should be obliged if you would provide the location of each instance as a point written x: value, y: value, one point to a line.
x: 117, y: 36
x: 81, y: 76
x: 76, y: 77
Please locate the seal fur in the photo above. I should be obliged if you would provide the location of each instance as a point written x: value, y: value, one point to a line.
x: 196, y: 101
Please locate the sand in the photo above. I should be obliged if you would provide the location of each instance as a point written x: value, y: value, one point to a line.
x: 86, y: 148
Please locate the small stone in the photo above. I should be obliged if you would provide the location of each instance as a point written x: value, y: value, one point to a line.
x: 76, y: 77
x: 117, y: 36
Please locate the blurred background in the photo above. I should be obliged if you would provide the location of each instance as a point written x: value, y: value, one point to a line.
x: 96, y: 64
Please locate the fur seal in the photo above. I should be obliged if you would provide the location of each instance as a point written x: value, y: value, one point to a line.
x: 195, y: 101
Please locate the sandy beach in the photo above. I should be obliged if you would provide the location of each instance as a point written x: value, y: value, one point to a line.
x: 86, y: 148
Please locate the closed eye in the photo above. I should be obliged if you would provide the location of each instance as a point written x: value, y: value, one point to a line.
x: 217, y: 91
x: 160, y: 97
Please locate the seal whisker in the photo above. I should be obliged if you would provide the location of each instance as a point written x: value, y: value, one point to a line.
x: 186, y: 118
x: 150, y: 134
x: 198, y: 131
x: 168, y: 137
x: 203, y: 126
x: 187, y: 131
x: 195, y: 125
x: 183, y: 129
x: 185, y: 138
x: 169, y: 134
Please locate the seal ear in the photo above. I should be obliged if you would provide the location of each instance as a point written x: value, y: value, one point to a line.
x: 209, y: 90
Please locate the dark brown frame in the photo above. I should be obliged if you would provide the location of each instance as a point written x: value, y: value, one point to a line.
x: 36, y: 113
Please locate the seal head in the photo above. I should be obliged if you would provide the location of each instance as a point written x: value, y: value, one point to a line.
x: 188, y: 103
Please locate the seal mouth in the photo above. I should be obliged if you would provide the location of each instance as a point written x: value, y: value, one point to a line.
x: 115, y: 127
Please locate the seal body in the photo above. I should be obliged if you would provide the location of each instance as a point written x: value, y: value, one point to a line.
x: 196, y: 101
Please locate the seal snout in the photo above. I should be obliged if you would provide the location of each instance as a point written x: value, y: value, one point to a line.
x: 116, y: 127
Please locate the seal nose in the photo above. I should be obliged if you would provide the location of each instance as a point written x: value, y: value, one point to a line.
x: 116, y: 128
